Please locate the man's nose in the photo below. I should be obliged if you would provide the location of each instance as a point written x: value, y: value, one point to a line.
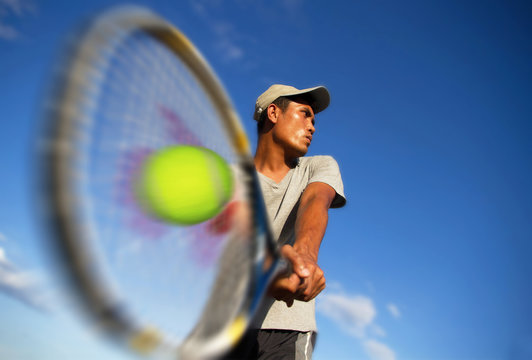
x: 311, y: 127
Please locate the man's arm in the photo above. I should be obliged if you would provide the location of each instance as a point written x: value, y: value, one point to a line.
x: 308, y: 280
x: 311, y: 222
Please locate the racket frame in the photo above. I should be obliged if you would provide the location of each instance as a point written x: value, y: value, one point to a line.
x: 70, y: 233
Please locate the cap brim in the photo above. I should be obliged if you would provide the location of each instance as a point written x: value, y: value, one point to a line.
x: 318, y: 97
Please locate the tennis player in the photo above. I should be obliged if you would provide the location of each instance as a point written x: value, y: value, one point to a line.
x: 298, y: 192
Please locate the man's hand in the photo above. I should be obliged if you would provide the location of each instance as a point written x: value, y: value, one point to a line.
x: 288, y: 287
x: 314, y: 283
x: 307, y: 279
x: 311, y: 222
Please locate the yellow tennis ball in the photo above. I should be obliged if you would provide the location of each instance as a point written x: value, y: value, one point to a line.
x: 184, y: 184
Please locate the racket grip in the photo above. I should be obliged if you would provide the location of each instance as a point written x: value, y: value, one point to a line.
x: 284, y: 267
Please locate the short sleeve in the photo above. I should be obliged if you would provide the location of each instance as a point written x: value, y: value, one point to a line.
x: 325, y: 169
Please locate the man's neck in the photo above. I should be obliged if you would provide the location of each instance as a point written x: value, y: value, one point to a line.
x: 271, y: 161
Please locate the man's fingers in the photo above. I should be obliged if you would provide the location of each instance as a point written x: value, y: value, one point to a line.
x: 317, y: 290
x: 286, y: 289
x: 289, y: 284
x: 293, y: 283
x: 316, y: 284
x: 298, y: 264
x: 304, y: 283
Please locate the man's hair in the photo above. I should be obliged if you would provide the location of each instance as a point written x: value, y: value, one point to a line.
x: 281, y: 102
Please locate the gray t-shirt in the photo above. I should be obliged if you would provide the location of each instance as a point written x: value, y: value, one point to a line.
x: 282, y: 203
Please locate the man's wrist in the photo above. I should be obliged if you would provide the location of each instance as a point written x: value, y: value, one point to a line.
x: 305, y: 251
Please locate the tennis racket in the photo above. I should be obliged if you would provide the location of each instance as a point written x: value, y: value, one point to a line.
x: 129, y: 85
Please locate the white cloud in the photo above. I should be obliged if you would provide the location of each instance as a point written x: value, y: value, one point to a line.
x: 3, y: 258
x: 227, y: 38
x: 19, y: 7
x: 2, y: 237
x: 352, y: 313
x: 8, y: 32
x: 21, y: 285
x: 16, y: 8
x: 356, y: 316
x: 377, y: 330
x: 378, y: 351
x: 394, y: 310
x: 227, y: 46
x: 292, y: 5
x: 334, y: 286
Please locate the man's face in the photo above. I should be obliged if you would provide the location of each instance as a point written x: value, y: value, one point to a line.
x: 294, y: 128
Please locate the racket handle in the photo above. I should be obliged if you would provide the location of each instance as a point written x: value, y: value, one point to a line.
x: 284, y: 267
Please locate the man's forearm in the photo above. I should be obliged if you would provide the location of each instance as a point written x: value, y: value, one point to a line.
x: 310, y: 228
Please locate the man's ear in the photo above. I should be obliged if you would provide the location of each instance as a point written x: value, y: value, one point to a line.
x: 273, y: 112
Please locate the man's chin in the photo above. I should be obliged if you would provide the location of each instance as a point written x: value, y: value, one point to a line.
x: 297, y: 153
x: 302, y: 153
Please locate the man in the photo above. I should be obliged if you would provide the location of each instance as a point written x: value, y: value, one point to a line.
x: 298, y: 191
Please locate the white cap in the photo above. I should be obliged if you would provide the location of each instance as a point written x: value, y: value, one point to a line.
x: 318, y: 97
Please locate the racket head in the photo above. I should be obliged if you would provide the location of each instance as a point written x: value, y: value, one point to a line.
x: 129, y: 85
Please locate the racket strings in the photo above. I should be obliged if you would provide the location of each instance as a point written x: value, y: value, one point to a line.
x: 137, y: 97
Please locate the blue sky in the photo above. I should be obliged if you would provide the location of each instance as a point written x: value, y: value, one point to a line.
x: 429, y: 122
